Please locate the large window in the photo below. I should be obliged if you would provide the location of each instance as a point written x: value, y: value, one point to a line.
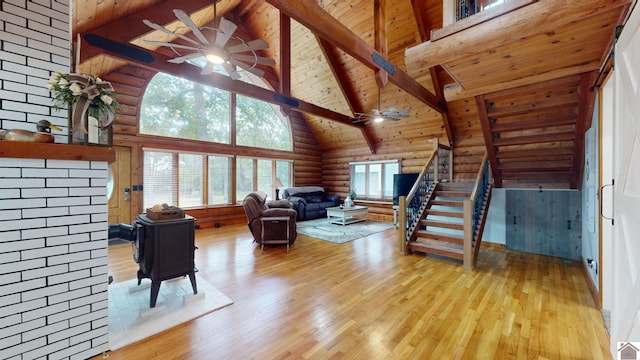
x: 261, y: 174
x: 180, y: 108
x: 373, y: 180
x: 195, y: 180
x: 258, y: 124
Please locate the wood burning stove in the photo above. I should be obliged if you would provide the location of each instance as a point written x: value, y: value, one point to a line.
x: 164, y: 249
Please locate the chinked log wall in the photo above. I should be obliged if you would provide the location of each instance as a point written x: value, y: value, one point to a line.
x: 130, y: 83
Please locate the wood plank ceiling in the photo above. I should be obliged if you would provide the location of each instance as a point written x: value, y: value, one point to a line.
x: 515, y: 78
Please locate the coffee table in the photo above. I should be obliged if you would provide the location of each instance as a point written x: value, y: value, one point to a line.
x: 346, y: 215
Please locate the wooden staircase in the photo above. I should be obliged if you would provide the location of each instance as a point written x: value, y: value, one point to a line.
x: 441, y: 230
x: 445, y: 218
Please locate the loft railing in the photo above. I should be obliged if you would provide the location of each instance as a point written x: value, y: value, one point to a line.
x: 474, y: 219
x: 411, y: 208
x: 456, y: 10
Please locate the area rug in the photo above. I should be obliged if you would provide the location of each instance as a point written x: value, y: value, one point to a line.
x: 131, y: 319
x: 339, y: 234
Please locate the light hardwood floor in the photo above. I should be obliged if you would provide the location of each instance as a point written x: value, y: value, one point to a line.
x: 363, y: 300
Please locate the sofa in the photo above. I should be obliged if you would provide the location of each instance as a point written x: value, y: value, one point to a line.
x: 310, y: 202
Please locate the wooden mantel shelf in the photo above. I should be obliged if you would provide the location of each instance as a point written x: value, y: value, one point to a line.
x: 57, y: 151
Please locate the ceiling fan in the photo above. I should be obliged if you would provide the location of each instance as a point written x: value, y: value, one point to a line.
x: 377, y: 115
x: 210, y: 43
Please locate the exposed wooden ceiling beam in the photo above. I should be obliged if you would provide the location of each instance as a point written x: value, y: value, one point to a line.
x: 317, y: 20
x: 539, y: 17
x: 488, y: 140
x: 380, y: 38
x: 342, y: 77
x: 159, y: 62
x: 346, y: 86
x: 585, y: 114
x: 439, y: 93
x: 419, y: 13
x: 285, y: 55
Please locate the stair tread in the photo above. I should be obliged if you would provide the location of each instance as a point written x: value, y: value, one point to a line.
x: 438, y: 236
x: 447, y: 213
x: 443, y: 224
x: 442, y: 249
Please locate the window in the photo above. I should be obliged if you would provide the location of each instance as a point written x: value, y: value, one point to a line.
x: 180, y: 108
x: 219, y: 187
x: 373, y: 180
x: 159, y: 179
x: 190, y: 180
x: 260, y: 175
x: 258, y: 124
x: 195, y: 180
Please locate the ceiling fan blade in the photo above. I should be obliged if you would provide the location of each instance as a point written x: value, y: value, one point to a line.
x: 257, y: 59
x: 181, y: 59
x: 255, y: 71
x: 166, y: 31
x: 232, y: 72
x: 207, y: 69
x: 226, y: 29
x: 177, y: 46
x: 253, y: 45
x: 182, y: 16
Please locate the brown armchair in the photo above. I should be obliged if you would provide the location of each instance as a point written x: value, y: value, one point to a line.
x: 270, y: 215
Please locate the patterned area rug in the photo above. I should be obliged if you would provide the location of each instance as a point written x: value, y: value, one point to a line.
x: 131, y: 319
x: 323, y: 230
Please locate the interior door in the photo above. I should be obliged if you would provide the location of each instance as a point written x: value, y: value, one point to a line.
x: 625, y: 314
x: 120, y: 199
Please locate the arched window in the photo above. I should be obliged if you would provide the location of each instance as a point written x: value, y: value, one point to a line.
x: 175, y: 107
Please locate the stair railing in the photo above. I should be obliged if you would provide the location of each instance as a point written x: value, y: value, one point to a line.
x: 473, y: 217
x: 412, y: 206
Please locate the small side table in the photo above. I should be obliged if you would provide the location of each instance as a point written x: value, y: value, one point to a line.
x: 275, y: 221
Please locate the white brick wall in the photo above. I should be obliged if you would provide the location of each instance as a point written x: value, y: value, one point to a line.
x: 53, y: 259
x: 34, y: 42
x: 53, y: 213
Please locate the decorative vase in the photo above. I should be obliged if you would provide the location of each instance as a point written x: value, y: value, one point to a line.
x: 348, y: 202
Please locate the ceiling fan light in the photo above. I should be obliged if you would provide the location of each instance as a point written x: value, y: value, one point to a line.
x: 378, y: 119
x: 214, y: 58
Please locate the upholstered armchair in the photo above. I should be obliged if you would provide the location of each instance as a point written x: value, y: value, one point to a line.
x: 271, y: 217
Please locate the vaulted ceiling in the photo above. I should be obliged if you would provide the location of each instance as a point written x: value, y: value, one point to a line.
x: 516, y: 79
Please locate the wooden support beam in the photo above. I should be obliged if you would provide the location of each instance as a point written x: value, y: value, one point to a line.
x: 317, y: 20
x: 539, y: 17
x: 158, y: 62
x: 380, y: 38
x: 285, y: 55
x: 346, y: 86
x: 585, y: 114
x: 420, y: 14
x: 440, y: 94
x: 488, y: 140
